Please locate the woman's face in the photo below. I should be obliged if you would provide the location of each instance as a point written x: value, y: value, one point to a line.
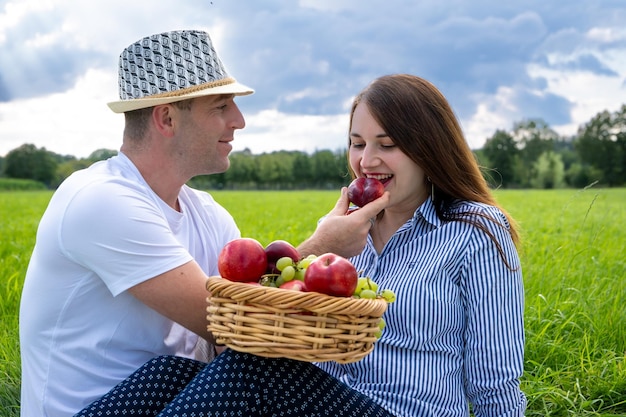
x: 373, y: 153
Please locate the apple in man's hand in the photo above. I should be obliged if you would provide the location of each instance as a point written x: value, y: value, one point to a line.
x: 365, y: 190
x: 276, y: 250
x: 331, y: 274
x: 242, y: 260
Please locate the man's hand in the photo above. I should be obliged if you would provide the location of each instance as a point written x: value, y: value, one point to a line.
x: 344, y: 233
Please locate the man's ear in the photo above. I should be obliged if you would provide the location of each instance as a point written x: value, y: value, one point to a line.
x: 162, y: 117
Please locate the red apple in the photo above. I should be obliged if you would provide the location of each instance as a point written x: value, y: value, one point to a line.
x: 276, y: 250
x: 294, y: 285
x: 365, y: 190
x: 242, y: 260
x: 331, y: 274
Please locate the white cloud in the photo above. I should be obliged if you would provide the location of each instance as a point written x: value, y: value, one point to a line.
x: 606, y: 34
x: 309, y: 56
x: 15, y: 11
x: 76, y: 122
x: 492, y: 113
x: 330, y: 5
x: 80, y: 123
x: 270, y: 130
x: 589, y: 93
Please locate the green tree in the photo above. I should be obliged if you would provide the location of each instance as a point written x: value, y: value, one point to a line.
x: 302, y: 170
x: 580, y: 175
x: 533, y: 138
x: 565, y: 148
x: 30, y: 162
x: 101, y: 154
x: 329, y: 169
x: 66, y: 165
x: 601, y: 143
x: 276, y: 169
x: 243, y: 171
x: 548, y: 171
x: 65, y: 169
x: 501, y: 152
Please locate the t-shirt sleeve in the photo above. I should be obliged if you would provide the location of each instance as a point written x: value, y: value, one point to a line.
x: 118, y: 231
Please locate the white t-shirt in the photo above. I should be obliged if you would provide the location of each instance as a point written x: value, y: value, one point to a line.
x: 104, y: 231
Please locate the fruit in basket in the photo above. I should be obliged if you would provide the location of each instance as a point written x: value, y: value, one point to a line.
x: 365, y: 190
x: 242, y: 260
x: 381, y: 325
x: 365, y: 283
x: 368, y: 288
x: 367, y: 294
x: 287, y: 270
x: 294, y: 285
x: 331, y: 274
x: 388, y: 295
x: 279, y: 249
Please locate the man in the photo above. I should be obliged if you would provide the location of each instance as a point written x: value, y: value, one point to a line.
x: 117, y: 276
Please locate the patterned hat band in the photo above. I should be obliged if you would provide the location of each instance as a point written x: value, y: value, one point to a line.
x: 169, y: 67
x: 195, y: 88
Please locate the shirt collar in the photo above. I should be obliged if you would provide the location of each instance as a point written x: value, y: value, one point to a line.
x: 427, y: 212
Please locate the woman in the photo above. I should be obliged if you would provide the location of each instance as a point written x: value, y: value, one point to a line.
x: 455, y: 334
x: 454, y: 339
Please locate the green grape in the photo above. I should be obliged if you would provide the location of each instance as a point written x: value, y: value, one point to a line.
x: 381, y: 325
x: 304, y: 263
x: 366, y: 283
x: 288, y: 273
x: 361, y: 283
x: 299, y: 274
x: 368, y: 294
x: 279, y: 281
x: 388, y: 295
x: 283, y: 262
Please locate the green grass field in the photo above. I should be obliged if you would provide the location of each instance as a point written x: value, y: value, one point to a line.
x: 573, y: 258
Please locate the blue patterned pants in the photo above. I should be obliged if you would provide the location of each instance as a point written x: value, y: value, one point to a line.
x: 234, y: 384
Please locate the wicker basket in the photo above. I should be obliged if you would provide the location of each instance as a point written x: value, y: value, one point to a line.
x: 305, y: 326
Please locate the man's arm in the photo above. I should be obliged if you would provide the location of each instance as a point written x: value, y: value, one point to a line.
x: 180, y: 295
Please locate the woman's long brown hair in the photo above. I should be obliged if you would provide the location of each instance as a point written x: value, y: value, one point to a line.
x: 420, y: 121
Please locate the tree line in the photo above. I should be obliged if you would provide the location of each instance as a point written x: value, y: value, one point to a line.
x: 530, y: 155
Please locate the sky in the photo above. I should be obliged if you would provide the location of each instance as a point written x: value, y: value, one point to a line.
x: 497, y: 62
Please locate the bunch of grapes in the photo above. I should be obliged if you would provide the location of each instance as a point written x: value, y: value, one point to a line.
x: 368, y: 289
x: 289, y: 270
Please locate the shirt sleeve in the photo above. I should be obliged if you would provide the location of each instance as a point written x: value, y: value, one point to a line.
x: 494, y: 338
x: 120, y: 233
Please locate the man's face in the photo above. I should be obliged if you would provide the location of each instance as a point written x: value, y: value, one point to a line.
x: 204, y: 134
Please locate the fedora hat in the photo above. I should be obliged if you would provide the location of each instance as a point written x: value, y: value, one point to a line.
x: 170, y: 67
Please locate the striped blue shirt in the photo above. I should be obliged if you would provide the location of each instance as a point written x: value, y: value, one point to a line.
x: 455, y: 335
